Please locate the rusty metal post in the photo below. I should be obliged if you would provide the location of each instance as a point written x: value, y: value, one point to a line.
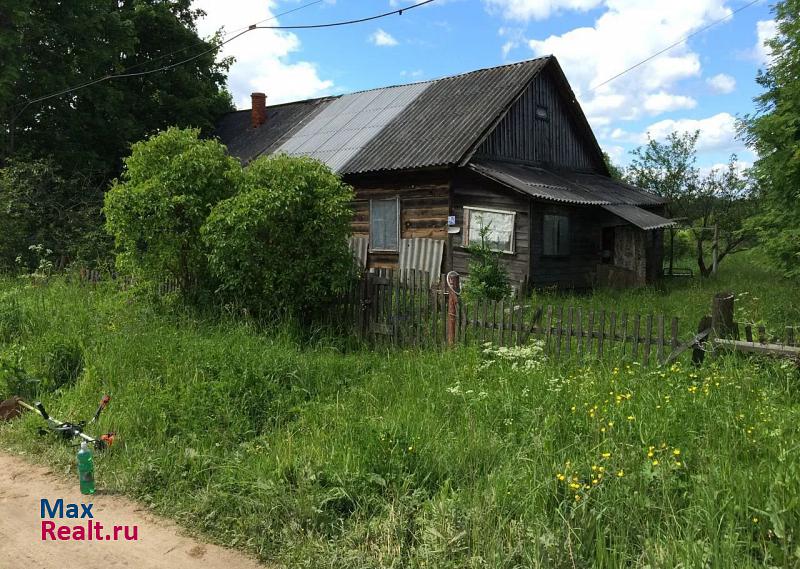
x: 453, y: 281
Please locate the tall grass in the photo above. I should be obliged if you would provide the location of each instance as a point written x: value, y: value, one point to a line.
x: 315, y: 457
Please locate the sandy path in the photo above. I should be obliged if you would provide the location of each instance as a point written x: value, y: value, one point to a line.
x: 160, y: 544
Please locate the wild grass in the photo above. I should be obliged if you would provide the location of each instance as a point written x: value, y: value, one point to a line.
x: 762, y: 296
x: 312, y: 456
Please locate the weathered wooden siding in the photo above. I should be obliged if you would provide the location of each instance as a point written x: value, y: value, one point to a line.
x: 554, y: 141
x: 424, y: 206
x: 472, y: 190
x: 578, y: 269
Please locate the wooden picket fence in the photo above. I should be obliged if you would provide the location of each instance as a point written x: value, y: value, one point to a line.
x: 408, y: 310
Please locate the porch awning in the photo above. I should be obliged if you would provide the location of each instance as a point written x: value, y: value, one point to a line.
x: 639, y: 217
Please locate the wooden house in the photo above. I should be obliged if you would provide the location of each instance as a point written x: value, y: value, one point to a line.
x: 434, y: 162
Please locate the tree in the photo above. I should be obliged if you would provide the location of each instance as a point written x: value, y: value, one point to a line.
x: 38, y: 206
x: 774, y: 133
x: 280, y: 246
x: 613, y: 169
x: 58, y: 45
x: 721, y: 199
x: 83, y: 135
x: 169, y: 185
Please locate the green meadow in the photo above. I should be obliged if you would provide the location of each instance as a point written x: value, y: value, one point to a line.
x: 311, y: 451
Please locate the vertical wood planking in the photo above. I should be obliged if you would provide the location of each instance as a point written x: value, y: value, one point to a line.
x: 590, y: 332
x: 635, y: 346
x: 602, y: 334
x: 660, y: 347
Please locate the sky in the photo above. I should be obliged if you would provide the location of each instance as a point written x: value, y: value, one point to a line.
x: 704, y: 83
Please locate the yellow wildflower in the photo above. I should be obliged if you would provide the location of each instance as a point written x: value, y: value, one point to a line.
x: 655, y: 462
x: 606, y: 455
x: 620, y: 473
x: 676, y: 451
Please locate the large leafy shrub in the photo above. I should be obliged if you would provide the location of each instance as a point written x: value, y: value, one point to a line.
x: 170, y: 183
x: 280, y: 246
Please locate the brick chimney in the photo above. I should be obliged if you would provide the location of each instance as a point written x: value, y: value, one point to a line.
x: 258, y: 113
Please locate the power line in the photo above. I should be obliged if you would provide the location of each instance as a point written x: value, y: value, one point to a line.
x: 226, y: 34
x: 249, y: 28
x: 677, y: 43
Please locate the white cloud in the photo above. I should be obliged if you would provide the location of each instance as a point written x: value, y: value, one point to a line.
x: 626, y: 33
x: 765, y: 30
x: 662, y: 102
x: 722, y: 83
x: 382, y: 38
x: 717, y: 132
x: 263, y: 58
x: 525, y: 10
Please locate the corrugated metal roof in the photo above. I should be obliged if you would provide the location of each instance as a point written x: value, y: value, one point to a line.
x: 345, y: 126
x: 639, y: 217
x: 433, y: 123
x: 247, y: 143
x: 564, y: 186
x: 446, y: 120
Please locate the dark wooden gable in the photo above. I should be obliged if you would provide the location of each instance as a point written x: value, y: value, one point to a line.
x: 545, y: 126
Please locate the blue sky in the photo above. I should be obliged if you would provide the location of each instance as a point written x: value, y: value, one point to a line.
x: 703, y: 84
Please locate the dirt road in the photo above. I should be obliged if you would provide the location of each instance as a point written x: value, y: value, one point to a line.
x: 159, y: 543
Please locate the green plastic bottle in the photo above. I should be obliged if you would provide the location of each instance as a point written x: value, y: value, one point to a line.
x: 86, y: 469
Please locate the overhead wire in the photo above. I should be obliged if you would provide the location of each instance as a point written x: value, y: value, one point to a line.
x: 215, y: 47
x: 673, y: 45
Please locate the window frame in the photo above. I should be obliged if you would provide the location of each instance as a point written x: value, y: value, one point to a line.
x: 467, y: 218
x: 372, y: 248
x: 558, y: 254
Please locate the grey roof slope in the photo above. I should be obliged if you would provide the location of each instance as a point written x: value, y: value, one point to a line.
x: 640, y: 217
x: 433, y: 123
x: 247, y: 143
x: 565, y: 186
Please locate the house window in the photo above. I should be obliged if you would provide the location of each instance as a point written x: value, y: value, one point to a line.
x: 541, y: 112
x: 384, y: 224
x: 555, y: 239
x: 498, y: 226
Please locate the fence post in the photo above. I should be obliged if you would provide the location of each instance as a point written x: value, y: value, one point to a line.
x: 722, y: 315
x: 453, y: 281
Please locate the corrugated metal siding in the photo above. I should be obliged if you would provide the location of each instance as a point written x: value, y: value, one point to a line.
x: 557, y: 140
x: 564, y: 186
x: 421, y: 255
x: 359, y: 246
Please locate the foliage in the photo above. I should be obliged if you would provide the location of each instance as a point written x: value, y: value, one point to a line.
x: 488, y: 278
x: 170, y: 183
x: 774, y: 133
x: 615, y: 171
x: 281, y: 244
x: 528, y: 357
x: 55, y: 46
x: 40, y: 205
x: 723, y: 198
x: 58, y: 155
x: 317, y: 458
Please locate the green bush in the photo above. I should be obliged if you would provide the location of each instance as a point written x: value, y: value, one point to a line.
x: 280, y: 246
x: 487, y: 280
x: 170, y: 183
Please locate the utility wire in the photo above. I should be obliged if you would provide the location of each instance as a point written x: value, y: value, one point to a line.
x: 249, y: 28
x: 677, y: 43
x: 223, y: 36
